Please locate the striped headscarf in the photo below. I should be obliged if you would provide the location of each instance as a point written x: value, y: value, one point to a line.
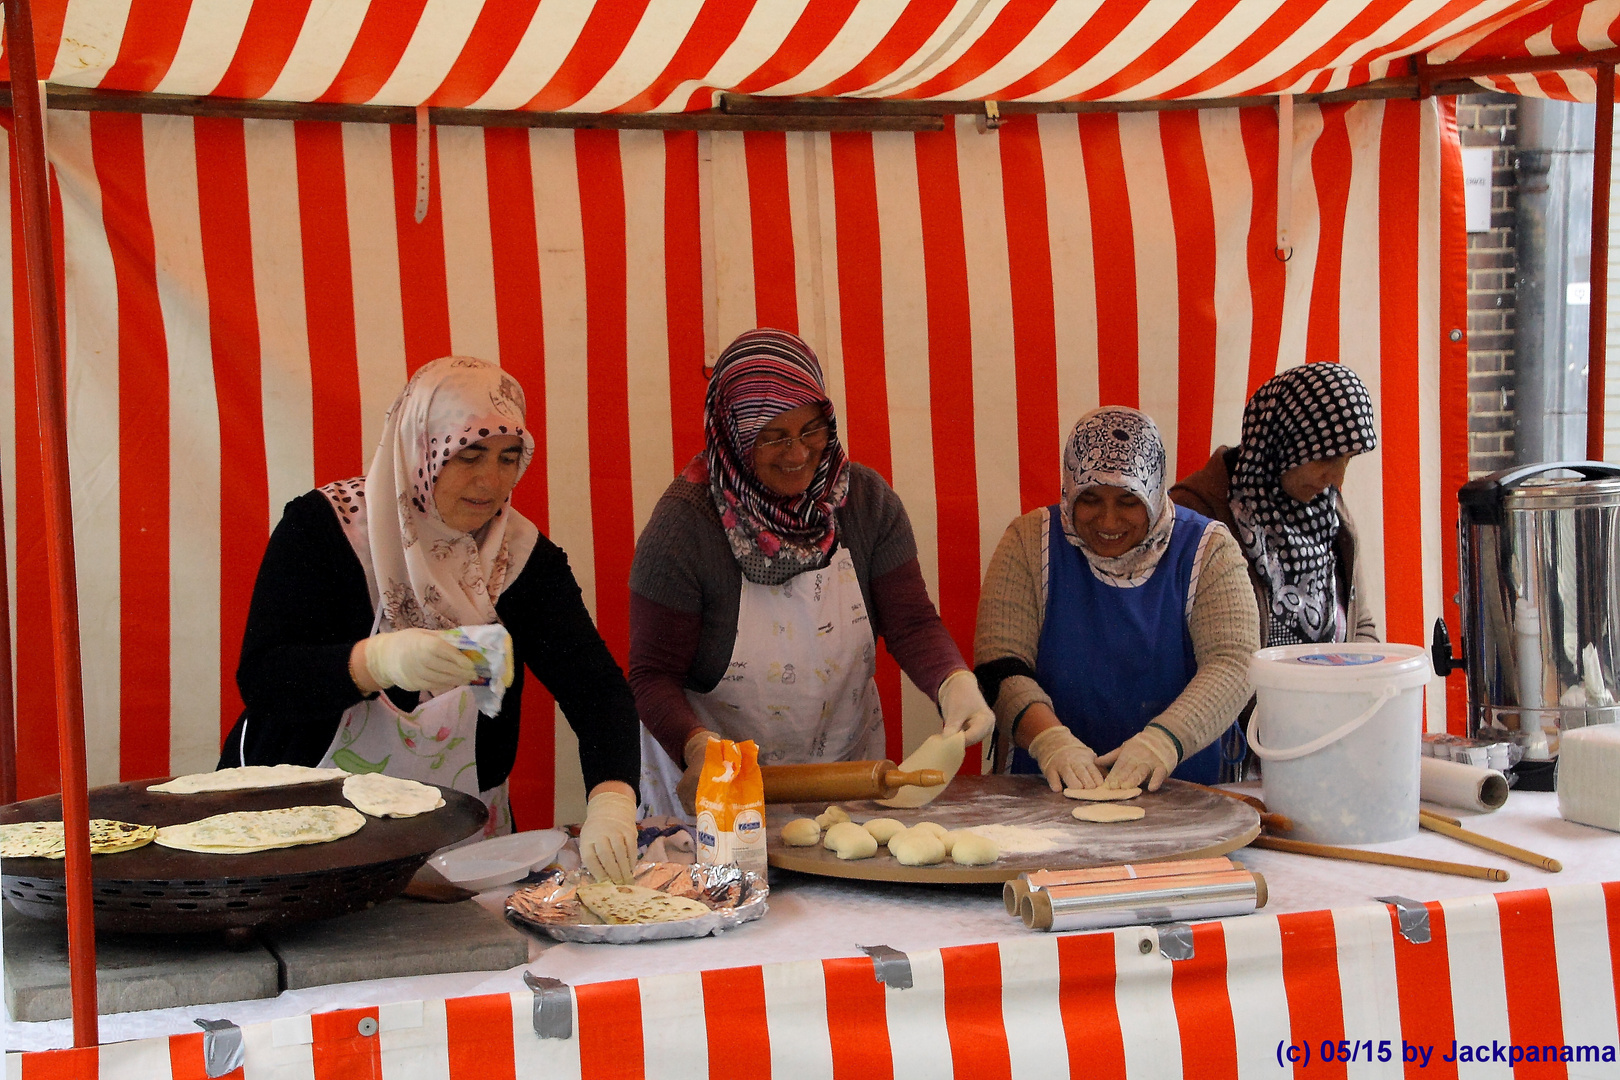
x: 761, y: 375
x: 1306, y: 413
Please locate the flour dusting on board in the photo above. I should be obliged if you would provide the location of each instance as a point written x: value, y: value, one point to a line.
x: 1018, y: 840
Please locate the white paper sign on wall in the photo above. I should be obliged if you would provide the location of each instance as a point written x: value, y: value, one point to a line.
x: 1477, y: 187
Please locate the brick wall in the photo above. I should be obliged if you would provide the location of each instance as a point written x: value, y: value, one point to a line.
x: 1489, y: 120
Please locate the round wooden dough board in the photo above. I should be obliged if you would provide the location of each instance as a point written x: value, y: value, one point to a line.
x: 1184, y: 821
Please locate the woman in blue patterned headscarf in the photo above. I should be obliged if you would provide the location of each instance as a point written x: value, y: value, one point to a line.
x: 1114, y: 628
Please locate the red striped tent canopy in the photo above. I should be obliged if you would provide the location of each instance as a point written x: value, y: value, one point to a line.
x: 672, y: 55
x: 243, y: 297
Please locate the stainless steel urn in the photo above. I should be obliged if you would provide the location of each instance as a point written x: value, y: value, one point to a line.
x: 1539, y: 548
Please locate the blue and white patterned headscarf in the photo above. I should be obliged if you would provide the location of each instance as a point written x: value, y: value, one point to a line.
x: 1119, y: 447
x: 1304, y: 414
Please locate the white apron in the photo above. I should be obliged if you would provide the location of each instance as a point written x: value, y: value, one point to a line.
x: 435, y: 743
x: 799, y: 683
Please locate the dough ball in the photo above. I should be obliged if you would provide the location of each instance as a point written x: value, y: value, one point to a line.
x: 932, y: 826
x: 1109, y: 813
x: 971, y: 849
x: 916, y: 847
x: 801, y: 832
x: 831, y: 816
x: 1102, y: 794
x: 848, y: 840
x: 882, y: 828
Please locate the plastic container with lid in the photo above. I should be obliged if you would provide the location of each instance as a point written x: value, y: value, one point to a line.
x: 1339, y: 728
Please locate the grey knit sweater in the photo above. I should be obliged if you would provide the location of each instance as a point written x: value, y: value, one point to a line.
x: 686, y: 588
x: 1223, y: 623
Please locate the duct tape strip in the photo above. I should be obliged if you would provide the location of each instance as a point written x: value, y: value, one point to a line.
x: 553, y: 1007
x: 423, y: 163
x: 1175, y: 941
x: 222, y: 1047
x: 1412, y: 917
x: 891, y: 966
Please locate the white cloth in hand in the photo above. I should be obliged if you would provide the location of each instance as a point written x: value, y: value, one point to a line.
x: 1149, y: 756
x: 417, y: 659
x: 964, y: 708
x: 607, y: 839
x: 1064, y: 760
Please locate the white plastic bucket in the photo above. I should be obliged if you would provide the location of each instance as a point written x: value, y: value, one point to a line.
x: 1339, y: 729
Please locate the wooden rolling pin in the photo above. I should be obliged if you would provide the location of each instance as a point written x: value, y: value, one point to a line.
x: 1331, y: 851
x: 834, y: 780
x: 1446, y: 827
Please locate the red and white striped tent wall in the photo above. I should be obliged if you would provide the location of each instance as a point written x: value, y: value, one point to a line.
x: 1520, y: 977
x: 243, y: 297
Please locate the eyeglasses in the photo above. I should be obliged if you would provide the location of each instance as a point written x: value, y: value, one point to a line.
x: 811, y: 438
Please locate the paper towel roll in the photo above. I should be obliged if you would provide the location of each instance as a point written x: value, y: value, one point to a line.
x: 1451, y: 783
x: 1588, y: 761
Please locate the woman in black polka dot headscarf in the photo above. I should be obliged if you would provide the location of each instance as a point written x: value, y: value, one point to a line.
x: 1300, y: 430
x: 1279, y: 493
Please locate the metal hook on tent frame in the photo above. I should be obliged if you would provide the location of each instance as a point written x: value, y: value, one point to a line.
x: 991, y: 120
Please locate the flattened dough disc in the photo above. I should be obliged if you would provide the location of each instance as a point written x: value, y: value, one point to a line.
x: 937, y: 752
x: 1102, y: 794
x: 1104, y: 812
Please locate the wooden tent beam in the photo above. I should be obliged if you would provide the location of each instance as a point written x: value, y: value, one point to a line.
x: 50, y: 386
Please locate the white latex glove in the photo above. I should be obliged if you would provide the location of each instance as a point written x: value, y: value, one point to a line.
x: 963, y: 707
x: 1149, y: 756
x: 607, y: 839
x: 692, y: 756
x: 417, y: 659
x: 1064, y: 760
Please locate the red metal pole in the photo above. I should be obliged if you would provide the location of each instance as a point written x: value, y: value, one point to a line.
x: 1598, y: 331
x: 49, y: 380
x: 8, y: 712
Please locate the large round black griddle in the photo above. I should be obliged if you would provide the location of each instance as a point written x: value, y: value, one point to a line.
x: 158, y: 890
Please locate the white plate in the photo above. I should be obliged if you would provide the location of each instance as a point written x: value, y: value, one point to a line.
x: 489, y: 863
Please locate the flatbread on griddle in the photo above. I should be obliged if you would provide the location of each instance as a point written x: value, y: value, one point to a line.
x: 632, y: 904
x: 48, y: 840
x: 245, y: 777
x: 390, y: 796
x: 245, y: 831
x: 1102, y: 794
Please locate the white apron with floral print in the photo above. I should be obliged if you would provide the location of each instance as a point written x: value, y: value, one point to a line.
x: 435, y: 743
x: 799, y: 683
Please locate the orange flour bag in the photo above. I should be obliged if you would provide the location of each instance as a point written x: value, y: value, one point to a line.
x: 731, y: 806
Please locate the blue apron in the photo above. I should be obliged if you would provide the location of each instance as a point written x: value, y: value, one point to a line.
x: 1113, y: 659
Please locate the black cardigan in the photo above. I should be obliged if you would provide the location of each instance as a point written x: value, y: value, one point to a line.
x: 310, y: 605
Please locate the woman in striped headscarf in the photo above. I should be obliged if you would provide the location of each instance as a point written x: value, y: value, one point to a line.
x: 760, y: 584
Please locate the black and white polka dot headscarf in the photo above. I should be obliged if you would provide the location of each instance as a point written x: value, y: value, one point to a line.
x: 1306, y: 413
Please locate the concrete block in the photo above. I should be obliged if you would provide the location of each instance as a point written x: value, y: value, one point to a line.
x: 401, y: 937
x: 133, y: 971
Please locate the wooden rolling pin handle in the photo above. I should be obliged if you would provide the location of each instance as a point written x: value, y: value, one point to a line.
x: 832, y: 781
x: 895, y: 779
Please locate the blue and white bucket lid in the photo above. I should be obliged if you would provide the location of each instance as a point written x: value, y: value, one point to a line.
x: 1354, y: 667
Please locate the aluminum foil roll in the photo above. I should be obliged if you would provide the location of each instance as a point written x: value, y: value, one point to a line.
x: 1013, y: 892
x: 1138, y: 901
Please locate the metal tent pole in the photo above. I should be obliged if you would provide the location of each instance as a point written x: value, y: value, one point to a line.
x: 50, y: 382
x: 1597, y: 355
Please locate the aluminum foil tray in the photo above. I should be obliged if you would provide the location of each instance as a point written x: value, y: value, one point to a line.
x: 550, y: 906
